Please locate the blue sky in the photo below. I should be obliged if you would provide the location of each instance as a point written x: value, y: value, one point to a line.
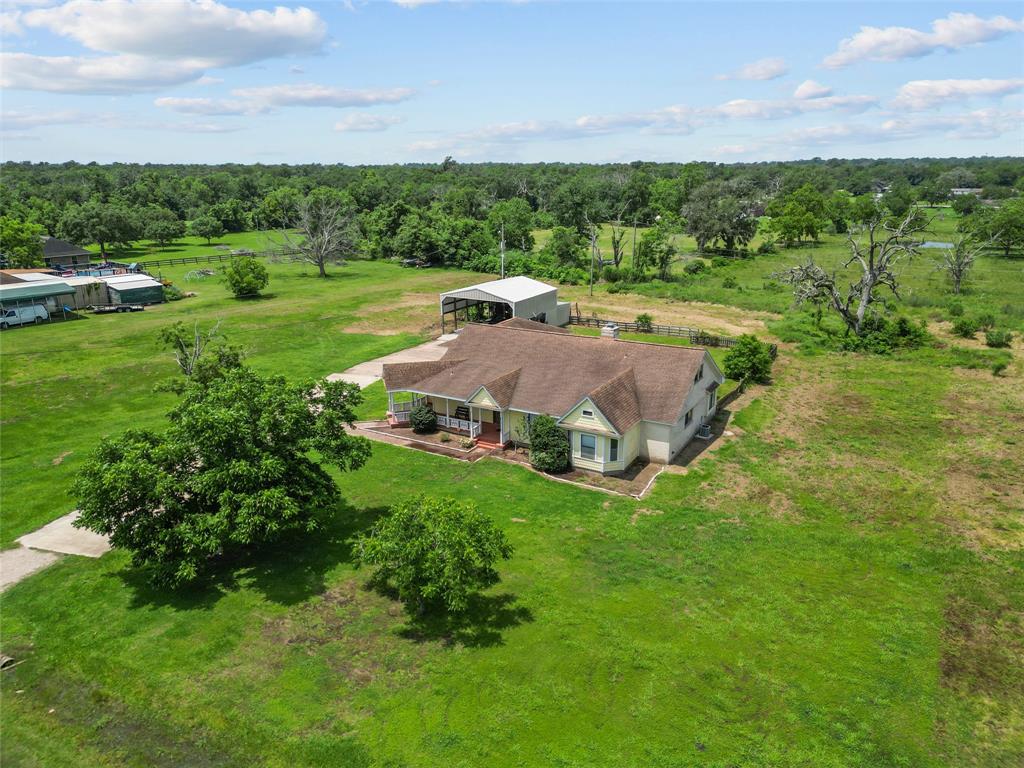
x: 381, y: 82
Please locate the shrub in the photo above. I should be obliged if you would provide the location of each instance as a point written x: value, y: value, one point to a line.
x: 445, y: 437
x: 423, y: 419
x: 965, y: 327
x: 615, y: 288
x: 172, y: 294
x: 881, y: 335
x: 435, y: 552
x: 611, y: 274
x: 998, y: 339
x: 749, y: 360
x: 644, y: 323
x: 245, y: 276
x: 985, y: 321
x: 768, y: 246
x: 549, y: 446
x: 955, y: 308
x: 694, y: 267
x: 998, y: 368
x: 719, y: 262
x: 730, y: 282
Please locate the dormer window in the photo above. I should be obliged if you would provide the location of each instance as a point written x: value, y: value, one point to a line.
x: 588, y: 414
x: 700, y: 374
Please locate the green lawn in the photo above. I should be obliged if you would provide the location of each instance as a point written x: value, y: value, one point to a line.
x: 840, y: 586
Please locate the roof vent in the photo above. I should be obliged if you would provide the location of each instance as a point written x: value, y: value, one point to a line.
x: 610, y: 331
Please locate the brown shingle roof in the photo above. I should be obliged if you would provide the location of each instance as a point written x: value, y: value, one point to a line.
x: 617, y: 400
x: 558, y: 370
x: 399, y: 375
x: 503, y: 387
x: 531, y: 325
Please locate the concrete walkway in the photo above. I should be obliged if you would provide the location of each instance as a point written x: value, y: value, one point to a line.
x: 371, y: 371
x: 44, y: 547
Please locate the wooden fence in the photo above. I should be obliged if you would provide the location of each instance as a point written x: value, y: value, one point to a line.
x: 213, y: 257
x: 695, y: 336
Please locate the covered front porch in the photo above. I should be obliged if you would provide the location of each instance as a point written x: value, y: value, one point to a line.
x: 485, y: 425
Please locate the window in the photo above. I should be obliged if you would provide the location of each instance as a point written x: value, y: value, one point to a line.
x: 588, y: 445
x: 700, y: 374
x: 588, y: 414
x: 613, y: 449
x: 712, y: 399
x: 689, y: 418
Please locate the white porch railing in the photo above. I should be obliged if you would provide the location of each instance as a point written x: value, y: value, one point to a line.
x: 402, y: 410
x: 471, y: 428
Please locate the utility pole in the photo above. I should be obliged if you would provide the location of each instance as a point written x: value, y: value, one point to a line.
x: 634, y: 242
x: 593, y: 249
x: 503, y: 250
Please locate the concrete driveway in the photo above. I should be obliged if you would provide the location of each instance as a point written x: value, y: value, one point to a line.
x: 43, y: 547
x: 371, y: 371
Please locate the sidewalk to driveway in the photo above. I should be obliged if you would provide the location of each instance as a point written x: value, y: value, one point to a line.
x: 45, y: 546
x: 371, y: 371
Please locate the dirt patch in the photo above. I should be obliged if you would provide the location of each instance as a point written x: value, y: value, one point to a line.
x: 350, y: 627
x: 60, y: 459
x: 716, y: 318
x: 737, y: 488
x: 643, y: 512
x: 983, y: 482
x: 412, y: 313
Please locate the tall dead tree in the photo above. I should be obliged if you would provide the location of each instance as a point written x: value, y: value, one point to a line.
x: 877, y: 249
x: 958, y: 260
x: 326, y: 234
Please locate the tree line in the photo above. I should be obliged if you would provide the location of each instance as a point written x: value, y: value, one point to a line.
x: 466, y: 215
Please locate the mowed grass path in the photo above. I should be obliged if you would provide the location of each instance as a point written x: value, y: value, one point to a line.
x: 66, y: 386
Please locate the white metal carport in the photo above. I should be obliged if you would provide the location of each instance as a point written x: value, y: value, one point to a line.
x: 500, y: 300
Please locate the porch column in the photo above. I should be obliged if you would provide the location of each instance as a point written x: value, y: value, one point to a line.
x: 391, y: 402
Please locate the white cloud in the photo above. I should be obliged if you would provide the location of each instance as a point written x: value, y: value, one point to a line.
x: 251, y: 101
x: 208, y: 106
x: 956, y: 31
x: 763, y: 69
x: 201, y: 31
x: 924, y: 94
x: 811, y: 89
x: 673, y: 120
x: 100, y: 74
x: 23, y: 120
x: 979, y: 124
x: 314, y: 95
x: 362, y: 122
x: 10, y: 23
x: 768, y: 109
x: 151, y: 45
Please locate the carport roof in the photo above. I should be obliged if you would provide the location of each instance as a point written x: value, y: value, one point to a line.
x: 511, y: 290
x: 37, y: 290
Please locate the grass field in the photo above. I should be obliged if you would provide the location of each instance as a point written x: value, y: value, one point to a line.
x: 837, y: 586
x: 994, y: 284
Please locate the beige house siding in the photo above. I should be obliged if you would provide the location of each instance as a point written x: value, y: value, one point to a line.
x: 628, y: 449
x: 483, y: 398
x: 594, y: 422
x: 517, y: 427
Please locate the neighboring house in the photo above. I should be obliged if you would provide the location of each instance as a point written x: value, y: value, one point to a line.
x: 498, y: 300
x: 961, y: 191
x: 60, y: 254
x: 617, y: 400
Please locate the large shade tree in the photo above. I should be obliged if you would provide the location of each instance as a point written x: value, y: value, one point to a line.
x: 239, y: 466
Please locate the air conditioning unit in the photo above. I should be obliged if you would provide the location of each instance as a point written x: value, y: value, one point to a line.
x: 704, y: 432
